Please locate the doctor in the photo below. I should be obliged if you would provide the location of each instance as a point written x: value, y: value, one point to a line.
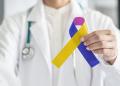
x: 30, y: 40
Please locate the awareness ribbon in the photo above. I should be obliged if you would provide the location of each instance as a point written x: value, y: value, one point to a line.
x: 75, y: 42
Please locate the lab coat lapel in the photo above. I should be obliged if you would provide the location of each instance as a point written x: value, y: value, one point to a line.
x: 40, y: 32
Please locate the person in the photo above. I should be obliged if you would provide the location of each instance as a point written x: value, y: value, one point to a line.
x: 46, y: 25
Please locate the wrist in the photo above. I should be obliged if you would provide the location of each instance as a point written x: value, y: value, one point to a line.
x: 111, y: 62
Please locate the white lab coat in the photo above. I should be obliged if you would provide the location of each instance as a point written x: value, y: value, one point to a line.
x: 14, y: 71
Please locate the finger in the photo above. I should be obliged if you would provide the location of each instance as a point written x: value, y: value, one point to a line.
x: 101, y: 44
x: 98, y: 32
x: 107, y: 32
x: 105, y: 52
x: 97, y: 38
x: 109, y: 58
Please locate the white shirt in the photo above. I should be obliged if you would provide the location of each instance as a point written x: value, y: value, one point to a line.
x: 56, y: 20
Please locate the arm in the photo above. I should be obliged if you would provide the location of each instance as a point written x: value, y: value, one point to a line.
x: 9, y: 39
x: 105, y: 25
x: 113, y: 71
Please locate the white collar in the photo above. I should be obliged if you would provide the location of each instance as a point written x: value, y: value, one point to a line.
x: 62, y: 10
x: 37, y: 13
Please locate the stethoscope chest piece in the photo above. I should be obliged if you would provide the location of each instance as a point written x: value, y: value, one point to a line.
x: 27, y: 53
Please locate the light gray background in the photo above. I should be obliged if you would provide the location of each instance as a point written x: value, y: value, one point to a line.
x: 16, y: 6
x: 1, y: 10
x: 11, y: 7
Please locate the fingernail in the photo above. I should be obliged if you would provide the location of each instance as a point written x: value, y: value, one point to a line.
x: 88, y: 48
x: 82, y: 39
x: 85, y: 44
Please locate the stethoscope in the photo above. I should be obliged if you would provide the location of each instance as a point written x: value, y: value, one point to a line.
x: 28, y: 51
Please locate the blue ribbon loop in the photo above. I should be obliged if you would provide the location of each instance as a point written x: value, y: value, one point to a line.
x: 87, y: 54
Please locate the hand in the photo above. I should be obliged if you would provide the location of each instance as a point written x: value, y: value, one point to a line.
x: 102, y: 42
